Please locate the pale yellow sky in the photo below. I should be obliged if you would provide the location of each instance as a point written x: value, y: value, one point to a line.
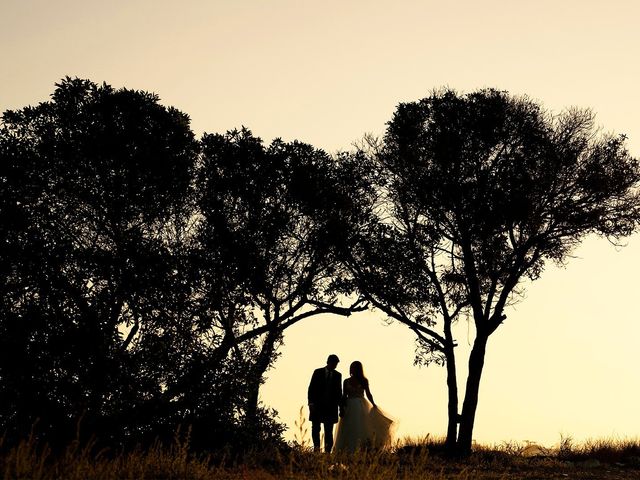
x: 566, y: 360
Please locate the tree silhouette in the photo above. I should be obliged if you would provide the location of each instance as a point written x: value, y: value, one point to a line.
x: 147, y: 277
x: 90, y: 180
x: 469, y: 195
x: 267, y: 231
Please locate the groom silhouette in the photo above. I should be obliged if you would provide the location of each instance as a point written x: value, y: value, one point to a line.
x: 325, y: 395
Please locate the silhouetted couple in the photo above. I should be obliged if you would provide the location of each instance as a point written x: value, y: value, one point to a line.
x: 362, y: 424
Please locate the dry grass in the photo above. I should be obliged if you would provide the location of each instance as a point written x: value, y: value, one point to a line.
x: 410, y: 459
x: 29, y: 460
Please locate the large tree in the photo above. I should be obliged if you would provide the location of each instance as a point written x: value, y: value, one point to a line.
x: 91, y: 180
x: 469, y: 196
x: 266, y: 235
x: 146, y: 278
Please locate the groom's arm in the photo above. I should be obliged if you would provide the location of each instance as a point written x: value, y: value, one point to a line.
x: 341, y: 395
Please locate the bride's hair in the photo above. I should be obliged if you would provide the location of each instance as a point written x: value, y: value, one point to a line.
x: 356, y: 370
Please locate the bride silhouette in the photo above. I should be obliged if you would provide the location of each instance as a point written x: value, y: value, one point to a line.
x: 362, y: 424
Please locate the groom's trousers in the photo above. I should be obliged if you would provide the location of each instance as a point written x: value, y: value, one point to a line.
x: 328, y: 435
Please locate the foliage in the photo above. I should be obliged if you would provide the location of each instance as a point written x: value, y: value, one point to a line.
x: 265, y: 239
x: 474, y: 193
x: 90, y: 179
x: 147, y: 278
x: 99, y: 320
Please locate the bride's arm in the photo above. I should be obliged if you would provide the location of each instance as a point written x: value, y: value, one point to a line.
x: 368, y: 392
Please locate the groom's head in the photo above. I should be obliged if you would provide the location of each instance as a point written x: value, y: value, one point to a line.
x: 332, y: 361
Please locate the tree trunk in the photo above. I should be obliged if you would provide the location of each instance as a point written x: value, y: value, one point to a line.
x: 476, y: 363
x: 258, y: 369
x: 452, y: 388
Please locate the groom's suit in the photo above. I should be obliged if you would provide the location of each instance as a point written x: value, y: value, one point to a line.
x: 325, y: 395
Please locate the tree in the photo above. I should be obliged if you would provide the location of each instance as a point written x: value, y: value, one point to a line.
x: 90, y: 181
x: 146, y: 278
x: 469, y: 195
x: 266, y: 256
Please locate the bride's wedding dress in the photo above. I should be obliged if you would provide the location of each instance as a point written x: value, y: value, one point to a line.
x: 363, y: 424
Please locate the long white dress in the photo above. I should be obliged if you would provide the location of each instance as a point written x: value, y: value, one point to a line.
x: 362, y: 425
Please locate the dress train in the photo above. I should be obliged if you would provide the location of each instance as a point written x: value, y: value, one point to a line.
x: 363, y: 426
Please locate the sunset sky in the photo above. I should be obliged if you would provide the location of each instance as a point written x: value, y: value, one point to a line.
x: 566, y: 360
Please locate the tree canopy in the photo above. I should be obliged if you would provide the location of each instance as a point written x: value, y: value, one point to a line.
x: 473, y: 194
x: 89, y: 180
x: 147, y: 277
